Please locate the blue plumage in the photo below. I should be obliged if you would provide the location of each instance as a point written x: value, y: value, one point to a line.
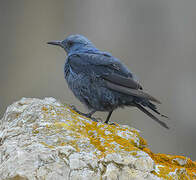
x: 100, y: 81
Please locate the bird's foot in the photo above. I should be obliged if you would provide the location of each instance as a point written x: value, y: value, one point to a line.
x: 93, y: 119
x: 112, y: 123
x: 74, y: 108
x: 88, y: 115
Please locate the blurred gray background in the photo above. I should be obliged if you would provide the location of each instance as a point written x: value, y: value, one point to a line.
x: 156, y: 39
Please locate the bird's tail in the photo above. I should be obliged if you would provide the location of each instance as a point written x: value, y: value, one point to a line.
x: 153, y: 108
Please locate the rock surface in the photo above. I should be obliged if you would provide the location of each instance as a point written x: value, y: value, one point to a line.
x: 44, y: 139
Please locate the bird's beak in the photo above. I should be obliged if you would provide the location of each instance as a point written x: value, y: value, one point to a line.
x: 56, y: 43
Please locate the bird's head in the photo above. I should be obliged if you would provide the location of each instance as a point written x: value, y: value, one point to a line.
x: 73, y: 43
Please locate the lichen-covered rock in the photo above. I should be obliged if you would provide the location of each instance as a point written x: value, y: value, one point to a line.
x: 44, y: 139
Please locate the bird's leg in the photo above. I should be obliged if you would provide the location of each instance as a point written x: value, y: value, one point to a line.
x: 108, y: 117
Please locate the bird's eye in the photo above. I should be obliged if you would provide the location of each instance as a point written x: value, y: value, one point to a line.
x: 69, y: 43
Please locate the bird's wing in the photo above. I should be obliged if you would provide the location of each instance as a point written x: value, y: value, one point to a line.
x: 115, y: 74
x: 103, y: 63
x: 132, y: 92
x: 120, y: 80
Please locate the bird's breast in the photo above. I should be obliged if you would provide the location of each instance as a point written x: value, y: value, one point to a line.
x: 66, y: 70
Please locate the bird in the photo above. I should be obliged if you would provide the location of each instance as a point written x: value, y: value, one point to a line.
x: 101, y: 81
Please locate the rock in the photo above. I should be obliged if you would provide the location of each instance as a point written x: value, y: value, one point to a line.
x: 44, y: 139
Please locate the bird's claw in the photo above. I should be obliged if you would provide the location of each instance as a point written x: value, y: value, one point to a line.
x: 83, y: 114
x: 93, y: 119
x: 76, y: 110
x: 73, y: 107
x: 112, y: 123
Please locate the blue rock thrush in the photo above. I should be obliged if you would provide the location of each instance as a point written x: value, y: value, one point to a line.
x: 100, y: 81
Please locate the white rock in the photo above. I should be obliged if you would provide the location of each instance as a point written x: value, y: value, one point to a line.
x: 45, y: 140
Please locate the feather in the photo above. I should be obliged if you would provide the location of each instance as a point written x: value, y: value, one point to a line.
x: 151, y: 115
x: 132, y: 92
x: 122, y: 81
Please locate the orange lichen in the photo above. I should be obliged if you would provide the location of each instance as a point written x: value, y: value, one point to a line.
x: 44, y: 109
x: 45, y: 144
x: 101, y: 136
x: 109, y: 138
x: 169, y: 164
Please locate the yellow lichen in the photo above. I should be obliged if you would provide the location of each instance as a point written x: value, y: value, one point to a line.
x: 35, y: 131
x: 44, y: 108
x: 106, y: 139
x: 169, y: 164
x: 45, y: 144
